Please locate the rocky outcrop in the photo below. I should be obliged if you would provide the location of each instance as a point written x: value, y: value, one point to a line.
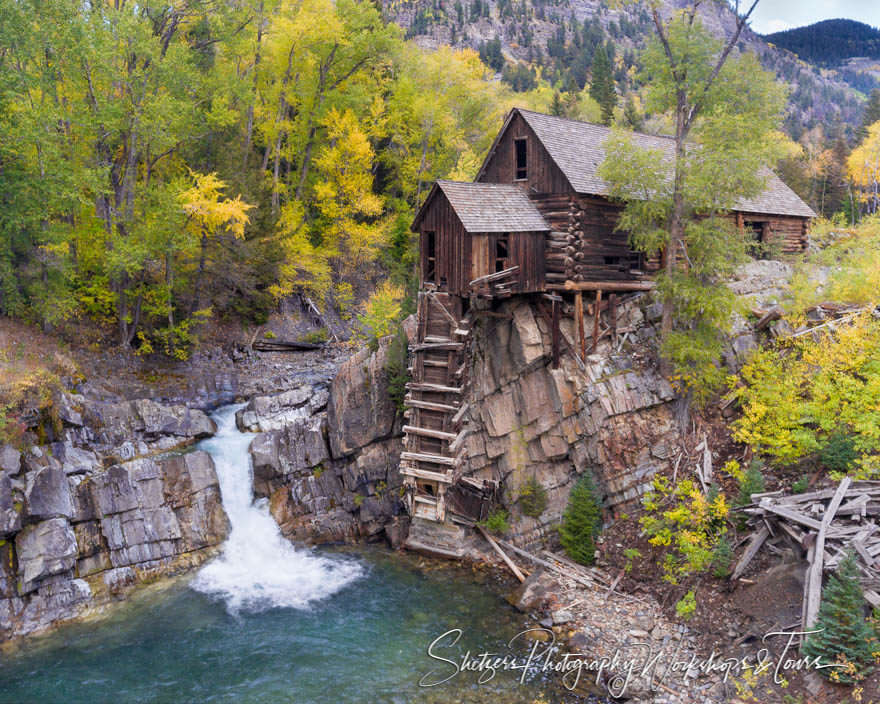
x: 612, y: 416
x: 97, y: 511
x: 331, y: 475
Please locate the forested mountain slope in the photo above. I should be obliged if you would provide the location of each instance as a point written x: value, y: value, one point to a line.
x: 557, y: 39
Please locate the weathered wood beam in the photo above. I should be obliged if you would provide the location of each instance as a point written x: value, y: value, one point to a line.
x: 752, y: 550
x: 497, y: 276
x: 610, y: 285
x: 814, y: 580
x: 421, y: 457
x: 436, y: 388
x: 428, y: 405
x: 579, y: 318
x: 556, y: 333
x: 597, y: 310
x: 428, y: 432
x: 425, y: 474
x: 513, y: 568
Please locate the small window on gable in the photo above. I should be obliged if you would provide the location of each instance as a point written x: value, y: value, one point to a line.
x: 520, y: 148
x: 502, y: 253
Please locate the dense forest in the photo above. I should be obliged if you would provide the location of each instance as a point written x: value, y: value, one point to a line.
x: 831, y: 42
x: 162, y: 164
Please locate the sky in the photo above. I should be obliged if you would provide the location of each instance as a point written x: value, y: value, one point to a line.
x: 777, y: 15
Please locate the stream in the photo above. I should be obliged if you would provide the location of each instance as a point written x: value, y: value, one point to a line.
x: 269, y: 622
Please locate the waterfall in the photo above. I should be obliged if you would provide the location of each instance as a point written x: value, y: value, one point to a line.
x: 258, y: 568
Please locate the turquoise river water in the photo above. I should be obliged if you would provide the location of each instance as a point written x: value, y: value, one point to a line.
x: 265, y: 622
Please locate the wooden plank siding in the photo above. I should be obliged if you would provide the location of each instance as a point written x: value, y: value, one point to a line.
x: 543, y: 176
x: 453, y: 246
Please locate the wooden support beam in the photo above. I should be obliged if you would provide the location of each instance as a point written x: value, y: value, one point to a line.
x: 428, y: 405
x: 597, y: 309
x: 428, y: 432
x: 459, y: 414
x: 436, y: 388
x: 421, y: 457
x: 425, y: 474
x: 436, y: 346
x: 612, y: 315
x: 556, y: 333
x: 513, y: 568
x: 752, y: 550
x: 497, y: 276
x: 579, y: 318
x: 610, y: 285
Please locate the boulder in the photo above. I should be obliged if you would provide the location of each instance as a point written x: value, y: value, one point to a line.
x: 48, y: 494
x: 538, y: 590
x: 360, y: 411
x: 44, y: 549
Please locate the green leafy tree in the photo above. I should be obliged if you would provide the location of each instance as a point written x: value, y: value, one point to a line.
x: 581, y: 521
x: 602, y: 86
x: 844, y: 635
x: 725, y: 113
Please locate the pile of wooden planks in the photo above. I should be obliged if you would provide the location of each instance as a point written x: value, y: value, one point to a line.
x: 824, y: 525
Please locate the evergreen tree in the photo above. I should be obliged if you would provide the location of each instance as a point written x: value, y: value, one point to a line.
x: 556, y: 106
x: 844, y: 635
x: 581, y: 521
x: 872, y: 113
x: 602, y: 85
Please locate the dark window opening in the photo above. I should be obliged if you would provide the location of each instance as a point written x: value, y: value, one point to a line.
x: 426, y: 488
x: 430, y: 256
x: 521, y: 150
x: 758, y: 239
x: 502, y: 254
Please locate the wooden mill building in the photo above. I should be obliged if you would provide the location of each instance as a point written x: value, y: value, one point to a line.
x: 537, y: 220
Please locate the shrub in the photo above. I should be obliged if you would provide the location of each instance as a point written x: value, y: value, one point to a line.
x: 839, y: 453
x: 630, y: 554
x: 681, y: 519
x: 533, y: 498
x: 497, y: 522
x: 750, y: 482
x: 581, y: 521
x: 269, y: 335
x: 801, y: 485
x: 795, y: 401
x: 686, y: 606
x: 722, y: 557
x: 316, y: 337
x: 381, y: 312
x: 844, y: 636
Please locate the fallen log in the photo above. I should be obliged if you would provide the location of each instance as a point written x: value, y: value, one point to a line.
x: 285, y: 346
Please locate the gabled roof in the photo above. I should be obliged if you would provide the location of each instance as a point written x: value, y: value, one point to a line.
x: 489, y: 207
x: 577, y: 149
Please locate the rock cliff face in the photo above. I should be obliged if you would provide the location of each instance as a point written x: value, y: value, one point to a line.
x: 85, y: 517
x: 613, y: 416
x: 333, y: 474
x: 329, y: 461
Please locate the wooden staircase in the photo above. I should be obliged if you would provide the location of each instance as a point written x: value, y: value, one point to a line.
x: 433, y: 456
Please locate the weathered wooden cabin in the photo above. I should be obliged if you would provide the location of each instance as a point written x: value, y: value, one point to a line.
x: 537, y: 220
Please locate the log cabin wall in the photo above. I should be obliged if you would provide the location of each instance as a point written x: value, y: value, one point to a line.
x: 452, y: 246
x: 542, y: 174
x: 793, y: 231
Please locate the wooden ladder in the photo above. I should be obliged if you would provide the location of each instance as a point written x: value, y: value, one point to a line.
x: 433, y: 456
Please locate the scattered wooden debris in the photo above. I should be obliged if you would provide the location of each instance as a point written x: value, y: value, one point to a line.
x: 825, y: 525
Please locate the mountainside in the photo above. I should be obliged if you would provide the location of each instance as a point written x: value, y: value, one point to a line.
x: 831, y: 42
x: 557, y: 39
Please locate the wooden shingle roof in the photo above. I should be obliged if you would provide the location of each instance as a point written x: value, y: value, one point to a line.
x: 491, y: 207
x: 577, y: 149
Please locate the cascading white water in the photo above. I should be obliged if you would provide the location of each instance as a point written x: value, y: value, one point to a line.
x: 258, y: 568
